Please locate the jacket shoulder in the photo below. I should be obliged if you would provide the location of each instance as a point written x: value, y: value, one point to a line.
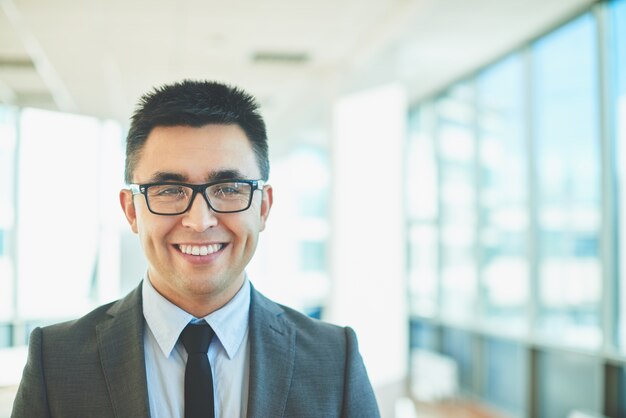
x: 315, y: 327
x: 328, y: 374
x: 314, y: 339
x: 83, y: 329
x: 306, y: 326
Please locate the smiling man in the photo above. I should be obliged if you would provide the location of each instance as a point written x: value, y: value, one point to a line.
x: 195, y: 339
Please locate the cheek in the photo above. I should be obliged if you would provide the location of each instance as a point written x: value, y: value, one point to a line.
x: 250, y: 231
x: 153, y: 230
x: 243, y: 228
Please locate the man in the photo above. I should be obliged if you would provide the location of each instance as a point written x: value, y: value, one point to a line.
x: 197, y: 168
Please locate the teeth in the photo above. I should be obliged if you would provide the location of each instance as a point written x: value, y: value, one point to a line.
x: 199, y: 249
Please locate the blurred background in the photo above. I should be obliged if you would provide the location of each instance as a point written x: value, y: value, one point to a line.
x: 449, y: 180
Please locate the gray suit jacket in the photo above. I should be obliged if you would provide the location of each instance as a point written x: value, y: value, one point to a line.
x: 94, y: 366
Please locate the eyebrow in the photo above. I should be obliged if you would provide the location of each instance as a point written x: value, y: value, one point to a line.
x: 225, y: 175
x: 218, y: 175
x: 166, y: 176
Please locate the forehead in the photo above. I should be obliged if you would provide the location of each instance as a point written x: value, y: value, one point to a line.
x: 195, y: 153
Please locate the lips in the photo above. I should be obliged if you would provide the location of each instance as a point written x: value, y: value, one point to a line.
x: 199, y: 250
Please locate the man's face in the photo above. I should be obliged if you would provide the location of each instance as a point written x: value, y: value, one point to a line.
x: 197, y: 283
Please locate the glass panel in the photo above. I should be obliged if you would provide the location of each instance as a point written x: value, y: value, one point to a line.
x: 459, y: 345
x: 295, y: 244
x: 456, y: 142
x: 618, y: 108
x: 503, y: 194
x: 313, y: 255
x: 423, y: 269
x: 8, y: 139
x: 421, y: 198
x: 309, y: 185
x: 6, y: 288
x: 6, y: 335
x: 421, y: 165
x: 311, y: 177
x: 568, y: 382
x: 132, y: 261
x: 423, y: 335
x: 565, y: 105
x: 506, y: 376
x: 59, y: 223
x: 111, y: 150
x: 7, y: 166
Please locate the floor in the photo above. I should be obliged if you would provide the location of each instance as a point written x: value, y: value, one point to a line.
x: 457, y: 409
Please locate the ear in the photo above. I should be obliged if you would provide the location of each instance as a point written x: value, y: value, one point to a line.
x: 266, y: 204
x: 128, y: 206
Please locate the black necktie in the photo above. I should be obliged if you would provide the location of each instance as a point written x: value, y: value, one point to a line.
x: 198, y: 380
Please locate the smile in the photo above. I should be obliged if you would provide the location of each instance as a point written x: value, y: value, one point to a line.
x: 200, y: 249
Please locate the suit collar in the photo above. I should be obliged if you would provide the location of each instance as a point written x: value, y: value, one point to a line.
x: 166, y: 320
x: 120, y: 341
x: 272, y: 357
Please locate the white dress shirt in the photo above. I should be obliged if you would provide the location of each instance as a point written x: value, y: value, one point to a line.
x: 166, y: 357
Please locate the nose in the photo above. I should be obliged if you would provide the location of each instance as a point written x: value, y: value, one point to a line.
x: 199, y: 217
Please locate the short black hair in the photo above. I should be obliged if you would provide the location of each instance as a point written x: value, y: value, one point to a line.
x: 196, y: 104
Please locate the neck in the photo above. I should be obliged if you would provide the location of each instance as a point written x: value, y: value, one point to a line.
x: 198, y: 302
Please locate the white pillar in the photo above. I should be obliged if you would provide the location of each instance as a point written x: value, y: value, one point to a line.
x: 368, y: 285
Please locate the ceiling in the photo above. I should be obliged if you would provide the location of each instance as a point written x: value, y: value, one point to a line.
x: 96, y: 57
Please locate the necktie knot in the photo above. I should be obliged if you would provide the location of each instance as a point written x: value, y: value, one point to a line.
x: 196, y: 338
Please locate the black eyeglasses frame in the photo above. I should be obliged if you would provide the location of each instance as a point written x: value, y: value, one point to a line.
x: 197, y: 189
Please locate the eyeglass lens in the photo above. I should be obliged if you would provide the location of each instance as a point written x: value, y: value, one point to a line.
x: 175, y: 198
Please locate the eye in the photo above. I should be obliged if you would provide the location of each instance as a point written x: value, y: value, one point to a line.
x: 227, y: 190
x: 168, y: 191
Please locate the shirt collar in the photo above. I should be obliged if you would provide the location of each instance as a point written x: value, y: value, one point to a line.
x: 166, y: 320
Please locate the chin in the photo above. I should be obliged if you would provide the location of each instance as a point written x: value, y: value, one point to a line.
x: 203, y: 285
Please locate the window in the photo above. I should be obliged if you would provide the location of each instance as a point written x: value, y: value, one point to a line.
x: 313, y: 256
x: 503, y: 200
x: 7, y: 213
x: 617, y: 49
x: 421, y: 192
x: 567, y: 382
x: 505, y: 383
x: 70, y: 172
x: 295, y: 242
x: 528, y: 287
x: 457, y: 151
x: 459, y: 345
x: 421, y: 165
x: 566, y: 138
x: 424, y: 335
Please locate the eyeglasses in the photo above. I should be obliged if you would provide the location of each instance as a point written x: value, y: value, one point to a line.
x: 167, y: 198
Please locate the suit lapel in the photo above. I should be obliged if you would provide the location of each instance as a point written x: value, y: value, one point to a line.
x: 120, y: 341
x: 272, y: 355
